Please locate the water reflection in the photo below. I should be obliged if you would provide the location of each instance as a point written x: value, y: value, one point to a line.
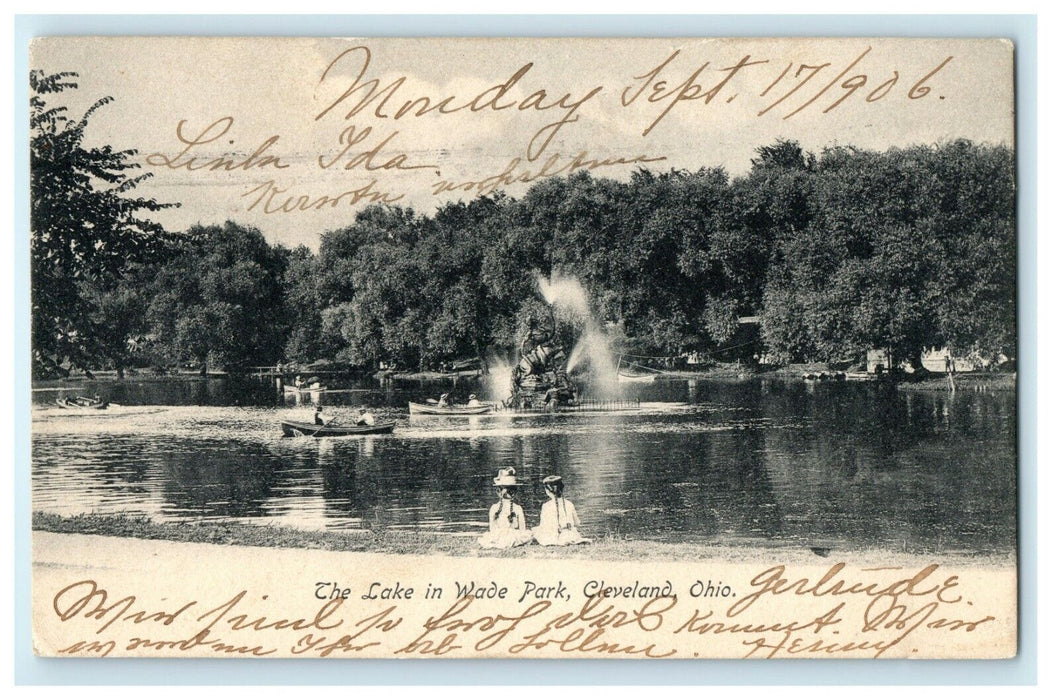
x: 766, y: 461
x: 203, y: 481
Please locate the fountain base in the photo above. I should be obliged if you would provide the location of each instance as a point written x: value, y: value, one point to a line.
x: 541, y: 391
x: 579, y: 406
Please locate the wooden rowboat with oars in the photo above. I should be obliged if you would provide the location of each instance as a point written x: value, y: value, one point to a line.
x: 293, y: 428
x: 433, y: 409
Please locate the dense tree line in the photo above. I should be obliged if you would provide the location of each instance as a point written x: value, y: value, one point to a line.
x: 835, y: 253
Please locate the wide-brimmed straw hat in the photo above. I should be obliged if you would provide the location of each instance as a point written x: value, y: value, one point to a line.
x: 505, y: 477
x: 553, y: 479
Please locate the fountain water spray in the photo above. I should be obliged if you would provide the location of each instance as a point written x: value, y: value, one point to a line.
x: 498, y: 381
x: 593, y: 347
x: 564, y: 292
x: 540, y: 380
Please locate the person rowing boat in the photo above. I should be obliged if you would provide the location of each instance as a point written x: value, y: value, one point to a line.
x: 319, y: 418
x: 298, y: 429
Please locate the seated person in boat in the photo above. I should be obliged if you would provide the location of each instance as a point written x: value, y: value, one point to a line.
x: 507, y: 522
x: 365, y: 418
x: 443, y: 402
x: 559, y: 519
x: 473, y: 402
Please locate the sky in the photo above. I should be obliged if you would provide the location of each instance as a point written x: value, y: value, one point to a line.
x: 294, y: 136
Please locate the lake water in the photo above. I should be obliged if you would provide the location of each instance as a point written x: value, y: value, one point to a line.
x: 763, y: 461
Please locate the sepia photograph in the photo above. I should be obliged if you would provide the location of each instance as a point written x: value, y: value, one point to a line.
x: 523, y: 348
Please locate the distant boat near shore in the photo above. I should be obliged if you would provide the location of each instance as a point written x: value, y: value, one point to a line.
x: 301, y: 393
x: 631, y: 377
x: 82, y: 402
x: 824, y: 376
x: 291, y: 389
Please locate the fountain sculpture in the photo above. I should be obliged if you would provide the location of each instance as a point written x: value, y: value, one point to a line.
x: 539, y: 381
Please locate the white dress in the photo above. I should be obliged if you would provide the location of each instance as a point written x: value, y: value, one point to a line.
x: 559, y: 523
x: 507, y: 527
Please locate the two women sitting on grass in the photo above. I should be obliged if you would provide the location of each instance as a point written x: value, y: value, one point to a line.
x: 507, y: 522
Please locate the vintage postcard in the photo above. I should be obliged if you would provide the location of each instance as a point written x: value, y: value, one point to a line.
x: 523, y: 348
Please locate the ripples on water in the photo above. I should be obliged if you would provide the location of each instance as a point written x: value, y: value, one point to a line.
x: 850, y: 466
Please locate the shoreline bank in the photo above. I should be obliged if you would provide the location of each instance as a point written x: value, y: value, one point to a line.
x: 433, y: 544
x: 976, y: 381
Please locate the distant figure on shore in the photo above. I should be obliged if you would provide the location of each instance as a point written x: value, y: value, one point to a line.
x: 507, y: 522
x: 559, y: 519
x: 473, y: 401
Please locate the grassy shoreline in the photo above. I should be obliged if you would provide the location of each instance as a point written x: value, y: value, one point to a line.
x: 428, y: 544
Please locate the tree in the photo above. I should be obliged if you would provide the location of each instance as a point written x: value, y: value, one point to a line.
x: 370, y: 288
x: 304, y: 299
x: 975, y: 286
x: 903, y: 250
x: 220, y: 301
x: 118, y: 318
x: 84, y: 226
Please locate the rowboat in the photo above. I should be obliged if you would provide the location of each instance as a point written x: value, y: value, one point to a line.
x: 458, y: 410
x: 298, y: 429
x: 82, y: 402
x: 630, y: 377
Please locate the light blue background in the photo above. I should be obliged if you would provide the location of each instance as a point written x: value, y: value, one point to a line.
x: 1022, y: 29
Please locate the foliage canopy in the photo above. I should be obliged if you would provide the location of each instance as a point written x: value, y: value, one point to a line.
x: 834, y: 253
